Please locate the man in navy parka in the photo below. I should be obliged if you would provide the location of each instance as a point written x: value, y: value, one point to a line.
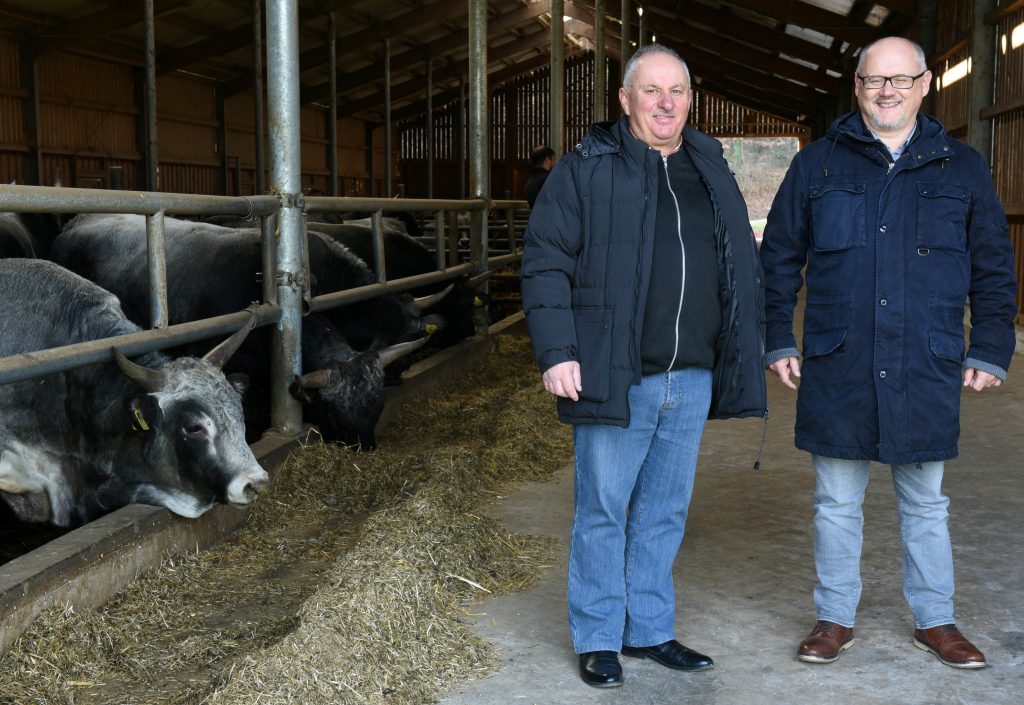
x: 898, y: 225
x: 643, y: 297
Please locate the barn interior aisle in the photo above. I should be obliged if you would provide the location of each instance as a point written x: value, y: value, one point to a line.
x: 745, y: 573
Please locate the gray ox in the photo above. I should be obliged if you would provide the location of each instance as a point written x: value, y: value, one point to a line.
x: 212, y: 270
x: 77, y: 444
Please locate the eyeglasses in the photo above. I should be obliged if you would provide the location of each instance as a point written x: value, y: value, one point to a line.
x: 902, y: 82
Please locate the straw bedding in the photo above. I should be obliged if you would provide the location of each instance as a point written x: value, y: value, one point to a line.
x: 349, y: 584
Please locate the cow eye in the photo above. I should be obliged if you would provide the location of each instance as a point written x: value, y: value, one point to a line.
x: 194, y: 431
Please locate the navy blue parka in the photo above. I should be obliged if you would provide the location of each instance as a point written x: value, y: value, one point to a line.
x: 892, y: 253
x: 586, y: 271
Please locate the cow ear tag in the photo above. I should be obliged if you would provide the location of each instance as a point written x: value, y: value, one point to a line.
x: 139, y: 408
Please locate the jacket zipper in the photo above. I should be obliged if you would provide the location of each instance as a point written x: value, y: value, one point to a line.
x: 682, y: 253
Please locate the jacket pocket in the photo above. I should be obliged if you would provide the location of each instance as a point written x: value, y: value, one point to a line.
x: 946, y: 346
x: 594, y: 349
x: 837, y: 209
x: 942, y: 212
x: 946, y: 327
x: 821, y: 343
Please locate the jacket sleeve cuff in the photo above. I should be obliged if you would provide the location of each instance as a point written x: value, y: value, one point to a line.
x: 994, y: 370
x: 770, y: 358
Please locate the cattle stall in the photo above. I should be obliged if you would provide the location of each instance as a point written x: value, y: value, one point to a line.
x: 90, y: 563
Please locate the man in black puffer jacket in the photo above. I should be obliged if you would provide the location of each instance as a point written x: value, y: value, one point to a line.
x: 644, y: 299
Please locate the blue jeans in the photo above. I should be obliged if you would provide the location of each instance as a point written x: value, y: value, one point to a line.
x: 632, y: 490
x: 838, y: 536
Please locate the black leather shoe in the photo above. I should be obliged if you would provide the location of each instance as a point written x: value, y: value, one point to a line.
x: 601, y: 669
x: 671, y: 654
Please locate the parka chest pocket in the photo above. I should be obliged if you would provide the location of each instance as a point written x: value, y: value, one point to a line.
x: 837, y: 212
x: 942, y: 213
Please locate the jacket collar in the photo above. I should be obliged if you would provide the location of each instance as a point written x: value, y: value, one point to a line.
x: 928, y: 141
x: 615, y: 138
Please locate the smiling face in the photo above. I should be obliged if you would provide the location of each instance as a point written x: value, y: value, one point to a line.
x: 891, y: 111
x: 657, y: 101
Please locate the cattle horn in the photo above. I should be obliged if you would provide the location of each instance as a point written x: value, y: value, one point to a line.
x: 314, y: 380
x: 476, y: 280
x: 424, y: 302
x: 393, y: 352
x: 149, y: 379
x: 223, y: 352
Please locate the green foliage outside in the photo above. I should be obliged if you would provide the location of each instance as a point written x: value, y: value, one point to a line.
x: 760, y: 164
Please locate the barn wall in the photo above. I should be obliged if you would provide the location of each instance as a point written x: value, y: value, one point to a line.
x: 90, y: 122
x: 519, y: 112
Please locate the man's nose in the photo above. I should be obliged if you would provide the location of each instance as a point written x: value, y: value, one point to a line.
x: 665, y: 101
x: 887, y: 89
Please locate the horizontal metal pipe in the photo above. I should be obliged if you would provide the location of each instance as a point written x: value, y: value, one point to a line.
x: 49, y: 199
x: 370, y: 291
x: 501, y: 204
x: 325, y: 204
x: 502, y: 260
x: 16, y: 368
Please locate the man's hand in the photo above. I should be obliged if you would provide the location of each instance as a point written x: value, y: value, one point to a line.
x: 978, y: 380
x: 563, y: 380
x: 787, y: 368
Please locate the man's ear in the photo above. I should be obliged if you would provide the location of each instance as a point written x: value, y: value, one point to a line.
x: 144, y: 411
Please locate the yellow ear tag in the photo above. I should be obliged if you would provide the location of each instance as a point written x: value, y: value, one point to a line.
x: 139, y: 420
x: 477, y: 302
x: 431, y: 328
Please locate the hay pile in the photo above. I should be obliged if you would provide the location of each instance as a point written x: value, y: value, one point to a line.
x: 348, y: 585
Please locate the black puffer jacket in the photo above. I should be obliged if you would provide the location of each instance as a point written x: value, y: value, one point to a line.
x: 586, y: 271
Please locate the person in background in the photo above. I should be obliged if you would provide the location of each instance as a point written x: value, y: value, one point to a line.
x: 543, y: 159
x: 898, y: 225
x: 644, y: 300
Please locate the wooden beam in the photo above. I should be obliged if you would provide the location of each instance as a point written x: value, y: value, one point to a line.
x: 414, y: 85
x: 124, y: 13
x: 495, y: 78
x: 496, y: 29
x: 365, y: 41
x: 996, y: 15
x: 812, y: 17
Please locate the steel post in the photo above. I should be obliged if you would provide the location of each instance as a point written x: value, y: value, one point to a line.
x: 156, y: 257
x: 257, y: 90
x: 332, y: 113
x: 625, y: 50
x: 430, y: 126
x: 150, y: 96
x: 286, y: 180
x: 557, y: 97
x: 982, y: 88
x: 600, y: 74
x: 387, y: 117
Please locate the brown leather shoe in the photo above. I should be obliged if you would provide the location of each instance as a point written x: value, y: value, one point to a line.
x: 951, y: 647
x: 825, y: 642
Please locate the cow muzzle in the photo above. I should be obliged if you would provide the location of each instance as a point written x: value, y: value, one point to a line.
x: 243, y: 490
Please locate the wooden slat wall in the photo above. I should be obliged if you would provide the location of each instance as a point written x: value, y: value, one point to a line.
x: 519, y: 113
x: 90, y: 119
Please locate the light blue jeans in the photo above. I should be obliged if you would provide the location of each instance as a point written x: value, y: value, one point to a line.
x: 838, y: 536
x: 632, y: 490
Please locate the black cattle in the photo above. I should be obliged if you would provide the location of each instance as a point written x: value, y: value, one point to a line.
x: 27, y: 234
x: 212, y: 270
x: 77, y: 444
x: 406, y: 257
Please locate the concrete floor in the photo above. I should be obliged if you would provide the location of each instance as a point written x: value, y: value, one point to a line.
x: 745, y: 573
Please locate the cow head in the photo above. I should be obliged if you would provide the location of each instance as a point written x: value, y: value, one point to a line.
x: 346, y: 399
x: 191, y: 425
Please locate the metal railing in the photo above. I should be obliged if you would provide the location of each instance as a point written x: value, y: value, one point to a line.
x: 155, y: 206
